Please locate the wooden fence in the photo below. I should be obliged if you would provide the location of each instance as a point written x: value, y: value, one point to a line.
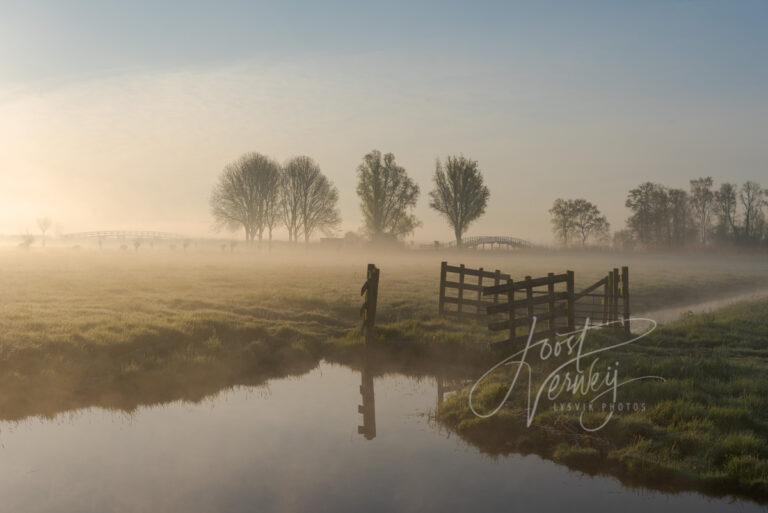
x: 509, y: 305
x: 543, y: 298
x: 606, y: 301
x: 461, y: 290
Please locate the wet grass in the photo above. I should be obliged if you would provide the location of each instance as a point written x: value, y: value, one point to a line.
x: 704, y: 428
x: 89, y: 325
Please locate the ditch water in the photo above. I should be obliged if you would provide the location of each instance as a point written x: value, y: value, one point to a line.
x: 294, y: 445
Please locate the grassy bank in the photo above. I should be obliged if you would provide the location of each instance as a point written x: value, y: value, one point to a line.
x: 87, y: 327
x: 705, y: 427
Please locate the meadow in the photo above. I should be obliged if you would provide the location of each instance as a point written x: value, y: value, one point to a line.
x: 120, y: 329
x: 705, y: 427
x: 81, y: 327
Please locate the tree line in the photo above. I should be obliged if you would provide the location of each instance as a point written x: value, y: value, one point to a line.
x: 671, y: 218
x: 257, y: 194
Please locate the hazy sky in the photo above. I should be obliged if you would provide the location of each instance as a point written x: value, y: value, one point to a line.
x: 121, y: 115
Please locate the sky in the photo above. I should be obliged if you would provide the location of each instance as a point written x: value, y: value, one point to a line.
x: 120, y: 115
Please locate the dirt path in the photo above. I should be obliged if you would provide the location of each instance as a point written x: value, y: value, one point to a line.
x: 664, y: 315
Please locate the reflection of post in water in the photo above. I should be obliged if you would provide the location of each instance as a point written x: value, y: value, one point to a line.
x: 368, y: 408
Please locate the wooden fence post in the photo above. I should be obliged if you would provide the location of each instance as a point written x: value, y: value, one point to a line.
x: 571, y: 301
x: 496, y: 282
x: 371, y: 292
x: 443, y: 274
x: 625, y: 298
x: 479, y: 309
x: 511, y: 313
x: 606, y: 298
x: 615, y: 294
x: 529, y: 297
x: 461, y: 289
x: 551, y: 325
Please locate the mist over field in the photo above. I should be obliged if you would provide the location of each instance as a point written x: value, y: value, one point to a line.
x: 134, y: 138
x: 341, y: 256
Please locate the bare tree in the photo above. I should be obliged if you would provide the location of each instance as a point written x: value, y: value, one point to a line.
x: 271, y: 198
x: 44, y: 223
x: 725, y: 210
x: 239, y: 199
x: 751, y: 198
x: 291, y: 186
x: 588, y: 222
x: 578, y: 218
x: 308, y: 199
x: 318, y: 206
x: 459, y: 194
x: 562, y: 220
x: 702, y: 200
x: 681, y: 229
x: 387, y: 197
x: 651, y: 216
x: 26, y: 241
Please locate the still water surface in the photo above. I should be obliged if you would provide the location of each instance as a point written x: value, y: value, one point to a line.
x: 294, y: 445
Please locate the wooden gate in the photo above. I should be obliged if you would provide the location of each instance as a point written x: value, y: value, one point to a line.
x: 511, y: 305
x: 606, y: 301
x: 550, y: 299
x: 461, y: 290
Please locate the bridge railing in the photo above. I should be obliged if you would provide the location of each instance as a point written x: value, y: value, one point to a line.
x: 501, y: 240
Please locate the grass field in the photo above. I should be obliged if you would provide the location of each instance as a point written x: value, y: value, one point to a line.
x: 82, y: 327
x: 111, y: 297
x: 119, y: 329
x: 705, y: 427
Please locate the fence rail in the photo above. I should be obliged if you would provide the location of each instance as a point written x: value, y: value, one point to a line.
x: 508, y: 304
x: 467, y: 293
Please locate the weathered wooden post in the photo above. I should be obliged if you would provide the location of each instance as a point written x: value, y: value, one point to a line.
x: 606, y: 298
x: 529, y: 298
x: 496, y: 282
x: 443, y: 275
x: 571, y: 301
x: 479, y: 308
x: 461, y: 290
x: 625, y: 298
x: 368, y: 311
x: 616, y: 295
x: 551, y: 325
x: 511, y: 312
